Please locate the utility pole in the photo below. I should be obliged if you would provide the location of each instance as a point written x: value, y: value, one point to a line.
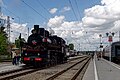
x: 119, y: 35
x: 0, y: 10
x: 79, y: 47
x: 28, y: 31
x: 8, y: 32
x: 2, y: 21
x: 20, y: 44
x: 8, y: 28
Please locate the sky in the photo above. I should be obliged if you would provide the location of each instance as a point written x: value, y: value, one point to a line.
x: 77, y: 21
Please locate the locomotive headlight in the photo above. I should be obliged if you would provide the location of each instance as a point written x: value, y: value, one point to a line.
x: 26, y: 54
x: 38, y: 54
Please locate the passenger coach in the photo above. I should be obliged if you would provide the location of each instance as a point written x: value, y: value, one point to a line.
x: 114, y: 50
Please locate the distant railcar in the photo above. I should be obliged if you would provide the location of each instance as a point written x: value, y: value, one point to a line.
x: 114, y: 50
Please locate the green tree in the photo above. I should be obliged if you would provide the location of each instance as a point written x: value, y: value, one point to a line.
x: 19, y: 42
x: 71, y: 46
x: 3, y: 41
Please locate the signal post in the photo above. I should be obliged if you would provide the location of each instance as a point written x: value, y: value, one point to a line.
x: 110, y: 39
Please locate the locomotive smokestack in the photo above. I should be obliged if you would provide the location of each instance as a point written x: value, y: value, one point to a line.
x: 41, y: 31
x: 36, y: 27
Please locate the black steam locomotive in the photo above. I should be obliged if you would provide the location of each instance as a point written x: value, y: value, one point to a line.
x: 43, y: 49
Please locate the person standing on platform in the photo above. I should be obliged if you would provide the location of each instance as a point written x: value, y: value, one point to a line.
x: 92, y: 56
x: 98, y: 56
x: 13, y: 57
x: 17, y: 59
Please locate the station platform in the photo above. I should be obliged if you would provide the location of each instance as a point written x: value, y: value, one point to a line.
x: 7, y: 66
x: 102, y: 70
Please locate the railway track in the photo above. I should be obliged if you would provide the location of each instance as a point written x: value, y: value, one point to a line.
x: 17, y: 73
x: 13, y: 71
x: 26, y: 67
x: 72, y: 72
x: 24, y: 71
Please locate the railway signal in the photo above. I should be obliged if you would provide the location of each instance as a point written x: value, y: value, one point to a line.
x: 110, y: 39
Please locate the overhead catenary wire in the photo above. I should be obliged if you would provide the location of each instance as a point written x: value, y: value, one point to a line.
x: 45, y: 10
x: 76, y: 16
x: 34, y: 10
x: 42, y: 6
x: 10, y: 11
x: 87, y: 39
x: 29, y: 7
x: 73, y: 10
x: 20, y: 19
x: 78, y: 9
x: 37, y: 11
x: 10, y: 28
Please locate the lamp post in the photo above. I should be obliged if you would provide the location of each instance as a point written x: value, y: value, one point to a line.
x: 119, y: 35
x: 110, y: 36
x: 79, y: 46
x: 101, y: 46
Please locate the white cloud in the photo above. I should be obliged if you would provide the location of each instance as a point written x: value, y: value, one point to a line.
x: 103, y: 18
x: 98, y: 19
x: 91, y: 21
x: 56, y: 21
x: 73, y: 32
x: 106, y: 13
x: 53, y: 10
x: 66, y: 8
x: 64, y: 28
x: 16, y: 29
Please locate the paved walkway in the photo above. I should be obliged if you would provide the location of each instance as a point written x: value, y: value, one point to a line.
x: 7, y: 66
x: 2, y: 64
x: 102, y: 70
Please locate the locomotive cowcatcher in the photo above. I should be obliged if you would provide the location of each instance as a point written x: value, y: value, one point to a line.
x: 43, y: 49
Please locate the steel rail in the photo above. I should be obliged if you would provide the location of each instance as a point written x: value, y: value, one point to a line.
x: 63, y: 71
x: 20, y: 72
x: 81, y: 70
